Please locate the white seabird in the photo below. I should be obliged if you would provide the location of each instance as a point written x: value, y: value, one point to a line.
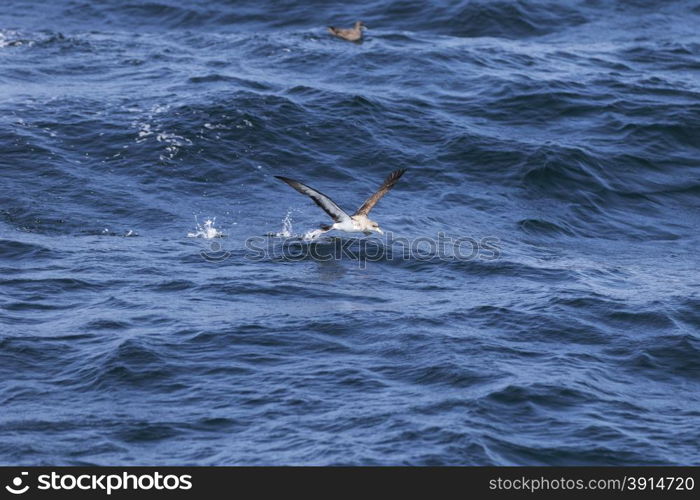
x: 358, y: 222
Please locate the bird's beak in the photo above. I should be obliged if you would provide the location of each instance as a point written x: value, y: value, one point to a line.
x: 379, y: 231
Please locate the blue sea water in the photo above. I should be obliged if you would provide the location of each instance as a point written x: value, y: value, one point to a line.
x: 566, y: 131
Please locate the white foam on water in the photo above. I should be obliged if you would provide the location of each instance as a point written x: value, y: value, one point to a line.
x: 313, y: 234
x: 10, y: 38
x: 206, y: 230
x: 149, y: 127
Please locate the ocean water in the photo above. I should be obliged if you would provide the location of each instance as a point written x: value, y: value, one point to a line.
x: 159, y: 306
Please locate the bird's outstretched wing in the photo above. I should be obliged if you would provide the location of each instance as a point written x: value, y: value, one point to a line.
x: 323, y: 201
x: 388, y: 184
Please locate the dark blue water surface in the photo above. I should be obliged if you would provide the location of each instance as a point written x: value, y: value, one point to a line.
x: 566, y: 131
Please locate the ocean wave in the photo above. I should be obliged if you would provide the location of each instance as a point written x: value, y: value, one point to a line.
x: 562, y: 133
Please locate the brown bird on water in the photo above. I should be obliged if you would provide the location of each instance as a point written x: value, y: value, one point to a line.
x: 349, y: 34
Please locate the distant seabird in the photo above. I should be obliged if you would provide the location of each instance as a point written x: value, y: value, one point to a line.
x: 358, y: 222
x: 349, y: 34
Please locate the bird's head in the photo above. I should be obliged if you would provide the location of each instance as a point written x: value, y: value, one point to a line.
x: 374, y: 226
x: 359, y: 25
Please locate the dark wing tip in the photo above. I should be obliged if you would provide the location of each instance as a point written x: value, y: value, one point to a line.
x: 284, y: 179
x: 395, y: 176
x: 291, y: 183
x: 386, y: 186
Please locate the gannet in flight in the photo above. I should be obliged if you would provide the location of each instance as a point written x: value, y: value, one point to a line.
x: 358, y: 222
x: 349, y: 34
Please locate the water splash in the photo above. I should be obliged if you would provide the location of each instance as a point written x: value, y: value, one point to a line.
x: 206, y: 230
x: 313, y: 234
x: 287, y: 229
